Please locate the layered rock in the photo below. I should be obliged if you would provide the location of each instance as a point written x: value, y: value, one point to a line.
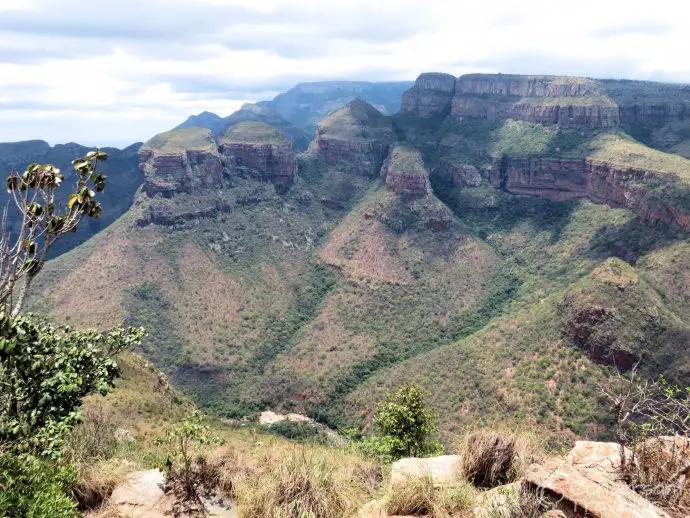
x: 404, y: 171
x: 181, y: 160
x: 355, y: 139
x: 460, y: 174
x: 561, y: 179
x: 569, y: 102
x: 431, y: 95
x: 257, y: 150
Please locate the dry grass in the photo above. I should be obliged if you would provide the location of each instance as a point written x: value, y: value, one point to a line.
x: 493, y: 458
x: 654, y: 474
x: 301, y: 482
x: 417, y: 496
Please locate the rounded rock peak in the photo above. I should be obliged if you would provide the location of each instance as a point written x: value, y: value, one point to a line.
x: 178, y: 140
x: 253, y: 132
x: 436, y: 81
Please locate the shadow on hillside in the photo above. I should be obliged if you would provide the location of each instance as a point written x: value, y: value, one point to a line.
x: 632, y: 240
x: 488, y: 210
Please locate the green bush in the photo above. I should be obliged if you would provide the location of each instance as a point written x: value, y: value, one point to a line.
x: 34, y: 488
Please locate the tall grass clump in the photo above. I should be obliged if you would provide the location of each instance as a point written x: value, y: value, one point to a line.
x: 301, y: 482
x: 417, y: 496
x: 491, y: 458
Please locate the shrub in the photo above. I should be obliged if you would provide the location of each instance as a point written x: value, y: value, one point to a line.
x: 490, y: 458
x: 417, y: 496
x: 653, y: 430
x: 35, y: 488
x: 404, y: 425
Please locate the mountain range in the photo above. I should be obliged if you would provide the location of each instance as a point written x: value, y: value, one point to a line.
x: 505, y: 241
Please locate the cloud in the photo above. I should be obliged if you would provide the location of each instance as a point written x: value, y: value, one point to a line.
x: 117, y: 71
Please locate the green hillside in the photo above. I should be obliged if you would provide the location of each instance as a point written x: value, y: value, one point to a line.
x: 322, y: 297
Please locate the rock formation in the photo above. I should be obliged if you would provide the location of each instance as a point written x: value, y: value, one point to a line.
x: 257, y: 150
x: 404, y: 171
x: 431, y: 95
x: 180, y: 160
x: 569, y: 102
x: 354, y: 139
x: 561, y: 179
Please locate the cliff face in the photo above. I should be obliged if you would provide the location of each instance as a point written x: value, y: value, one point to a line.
x: 405, y: 172
x: 355, y: 139
x: 564, y: 101
x: 431, y: 95
x: 257, y: 150
x: 560, y: 179
x: 180, y: 160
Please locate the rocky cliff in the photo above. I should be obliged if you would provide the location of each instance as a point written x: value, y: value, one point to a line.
x: 431, y: 95
x: 354, y: 139
x: 569, y: 102
x: 404, y: 171
x: 617, y: 185
x: 254, y: 149
x: 180, y: 160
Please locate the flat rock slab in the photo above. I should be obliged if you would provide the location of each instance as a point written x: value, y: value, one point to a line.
x: 590, y: 491
x: 443, y: 470
x: 143, y: 488
x: 602, y: 457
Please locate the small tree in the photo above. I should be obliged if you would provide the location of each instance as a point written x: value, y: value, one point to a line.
x: 182, y: 475
x: 43, y: 220
x: 652, y: 427
x: 404, y: 424
x: 45, y: 370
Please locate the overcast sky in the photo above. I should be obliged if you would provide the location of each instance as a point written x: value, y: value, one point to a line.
x: 104, y: 72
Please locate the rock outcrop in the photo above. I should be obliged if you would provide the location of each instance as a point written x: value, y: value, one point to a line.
x: 459, y: 174
x: 404, y: 171
x: 257, y: 150
x: 354, y: 139
x: 589, y: 492
x: 181, y: 160
x: 443, y: 470
x: 431, y: 95
x: 560, y: 179
x: 569, y: 102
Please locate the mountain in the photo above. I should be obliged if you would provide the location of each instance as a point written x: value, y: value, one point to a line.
x: 308, y: 103
x: 502, y: 241
x: 249, y: 112
x: 122, y: 168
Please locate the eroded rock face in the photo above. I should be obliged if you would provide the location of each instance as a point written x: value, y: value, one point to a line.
x: 180, y: 160
x: 405, y: 172
x: 460, y: 174
x: 355, y: 139
x: 569, y: 102
x: 431, y: 95
x: 560, y: 179
x: 257, y: 150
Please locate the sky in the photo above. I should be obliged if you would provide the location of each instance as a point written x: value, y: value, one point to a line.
x: 103, y: 72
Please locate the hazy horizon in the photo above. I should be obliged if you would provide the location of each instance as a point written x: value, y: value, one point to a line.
x: 126, y: 71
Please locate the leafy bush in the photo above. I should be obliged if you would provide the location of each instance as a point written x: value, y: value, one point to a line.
x: 45, y: 373
x: 404, y: 425
x: 299, y: 431
x: 35, y: 488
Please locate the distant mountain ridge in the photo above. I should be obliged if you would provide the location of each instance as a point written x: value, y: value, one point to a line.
x: 122, y: 168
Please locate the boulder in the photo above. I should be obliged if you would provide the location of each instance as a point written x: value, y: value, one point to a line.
x: 443, y: 470
x: 589, y: 492
x: 139, y: 495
